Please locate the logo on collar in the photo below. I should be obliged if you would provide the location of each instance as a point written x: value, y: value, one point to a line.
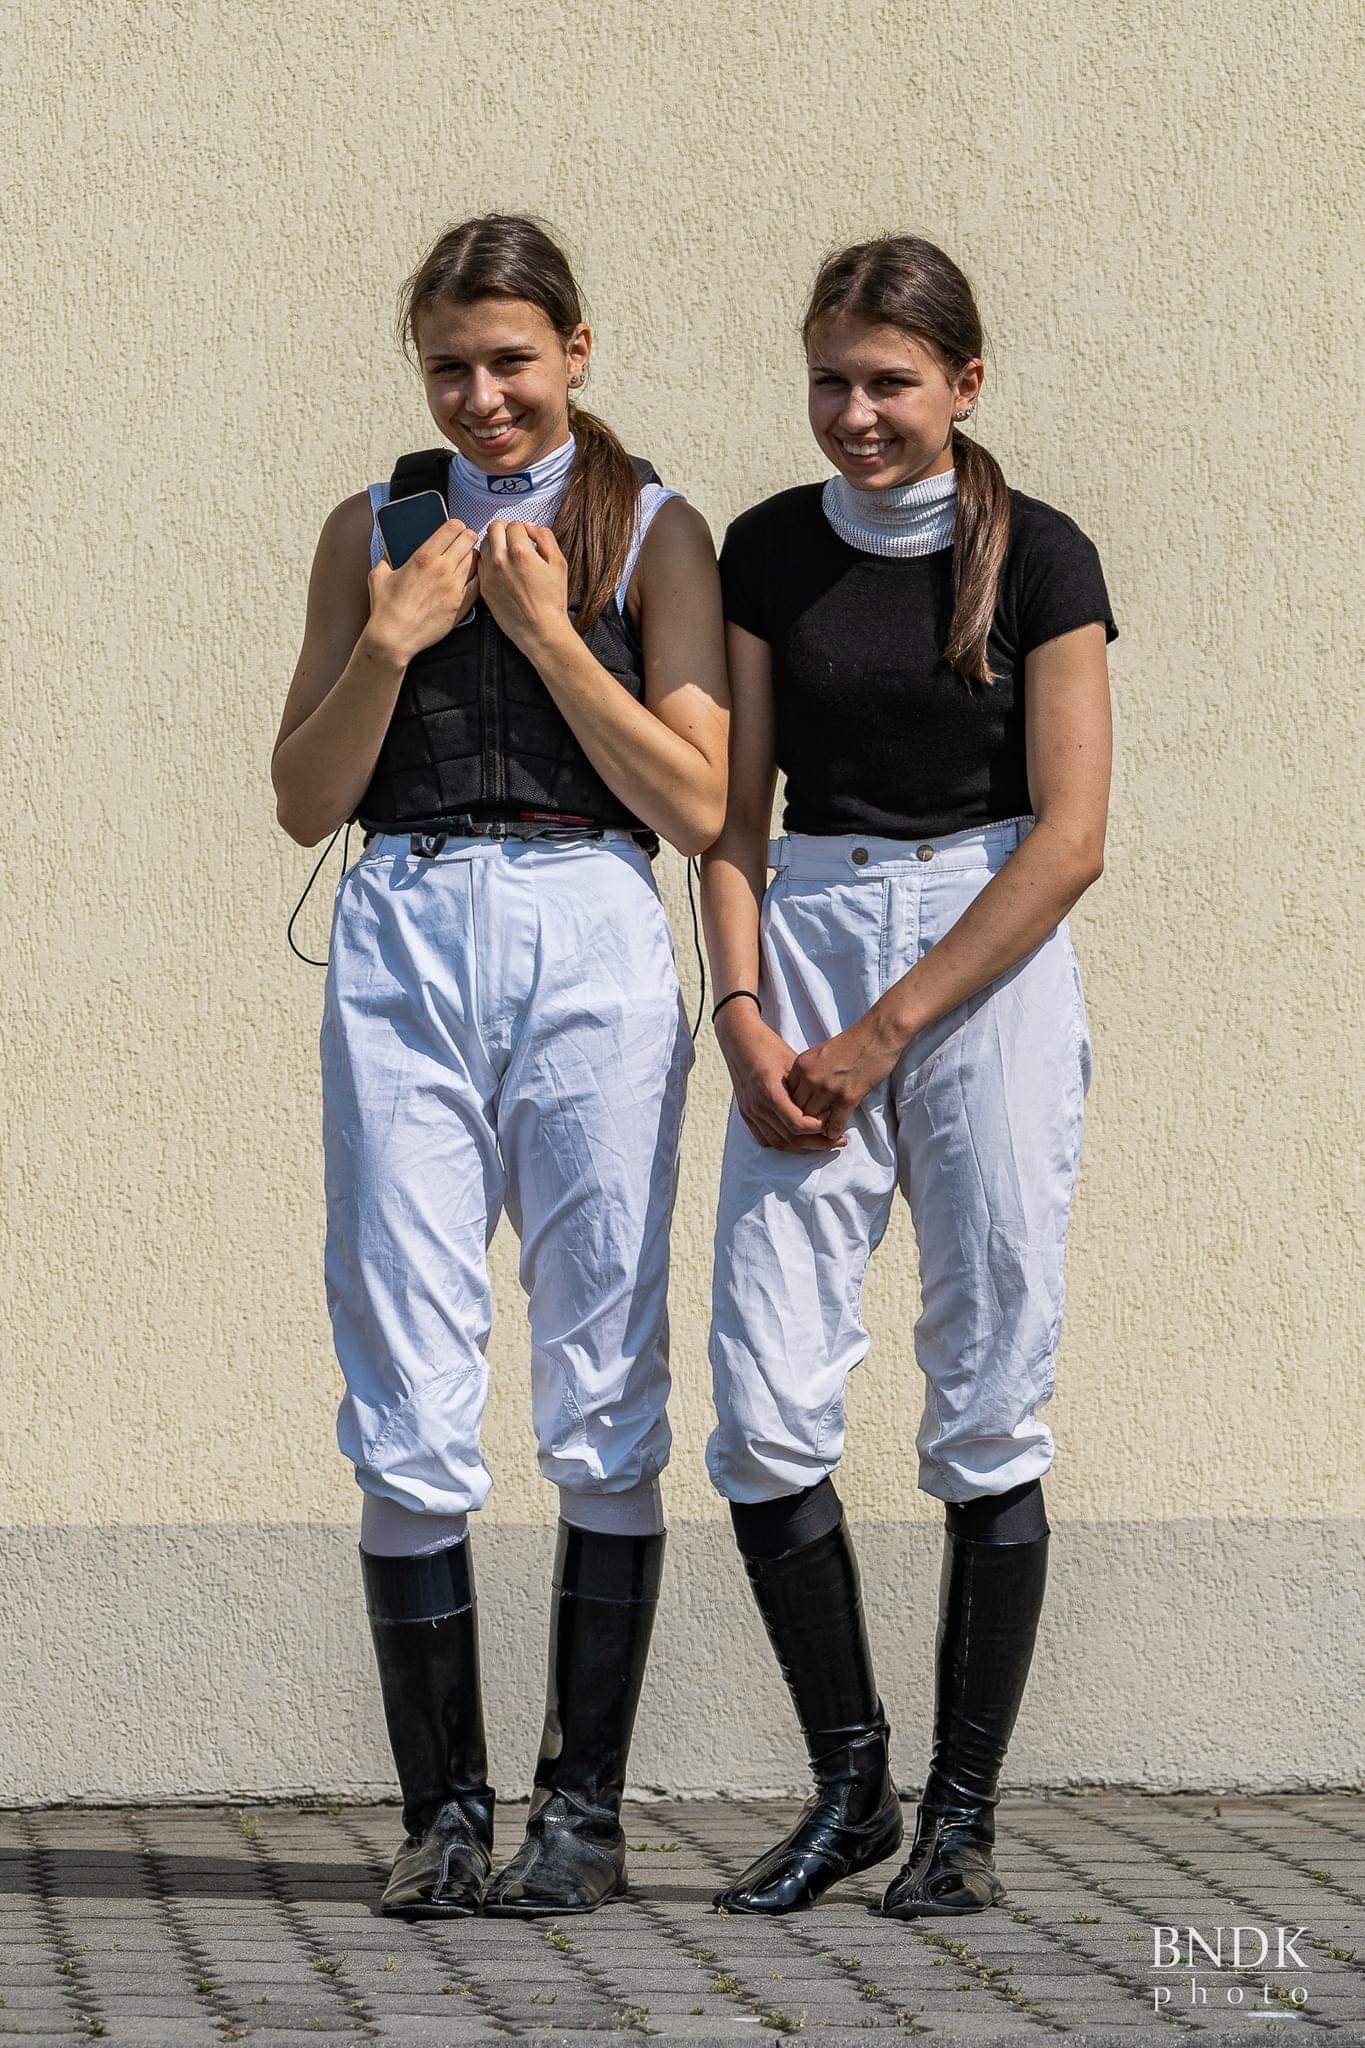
x: 511, y: 485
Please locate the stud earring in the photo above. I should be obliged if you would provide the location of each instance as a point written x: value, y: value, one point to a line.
x: 960, y: 416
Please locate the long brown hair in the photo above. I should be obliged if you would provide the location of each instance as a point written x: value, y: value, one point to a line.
x: 508, y: 256
x: 905, y: 282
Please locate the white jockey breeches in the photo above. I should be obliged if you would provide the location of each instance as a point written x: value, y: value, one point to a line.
x: 979, y: 1125
x: 502, y: 1029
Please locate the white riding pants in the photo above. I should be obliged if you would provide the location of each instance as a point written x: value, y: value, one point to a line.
x: 979, y: 1125
x: 502, y: 1028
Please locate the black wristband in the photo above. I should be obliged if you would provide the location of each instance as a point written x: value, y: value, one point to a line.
x: 734, y: 996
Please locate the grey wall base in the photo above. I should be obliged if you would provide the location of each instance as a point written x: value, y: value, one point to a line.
x: 227, y: 1662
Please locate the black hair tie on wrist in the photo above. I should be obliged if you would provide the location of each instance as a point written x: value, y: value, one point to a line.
x: 733, y: 997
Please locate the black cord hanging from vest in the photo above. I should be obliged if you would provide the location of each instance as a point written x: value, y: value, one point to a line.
x: 307, y: 958
x: 696, y: 941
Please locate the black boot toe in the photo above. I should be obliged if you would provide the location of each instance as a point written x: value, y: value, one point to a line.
x: 571, y: 1862
x: 442, y: 1874
x: 821, y: 1849
x: 947, y: 1873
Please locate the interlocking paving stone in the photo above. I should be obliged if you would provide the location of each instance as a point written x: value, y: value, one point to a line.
x: 171, y: 1928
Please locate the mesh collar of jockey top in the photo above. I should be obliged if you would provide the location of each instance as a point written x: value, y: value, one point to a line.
x: 478, y: 498
x: 903, y: 519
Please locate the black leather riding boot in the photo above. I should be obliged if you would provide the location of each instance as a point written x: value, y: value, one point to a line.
x: 606, y: 1589
x: 812, y: 1608
x: 990, y: 1597
x: 424, y: 1621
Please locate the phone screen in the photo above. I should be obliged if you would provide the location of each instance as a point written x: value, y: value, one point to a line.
x: 404, y: 523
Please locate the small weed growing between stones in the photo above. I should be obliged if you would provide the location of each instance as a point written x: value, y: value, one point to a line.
x: 389, y: 1963
x: 1322, y: 1876
x: 328, y: 1966
x: 554, y: 1939
x: 630, y: 2015
x: 249, y: 1827
x: 724, y: 1985
x: 701, y: 1955
x: 1087, y: 1919
x: 782, y: 2022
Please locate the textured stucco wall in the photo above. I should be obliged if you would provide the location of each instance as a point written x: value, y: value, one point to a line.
x: 215, y: 209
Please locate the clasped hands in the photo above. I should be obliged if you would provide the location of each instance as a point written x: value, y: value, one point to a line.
x: 803, y: 1103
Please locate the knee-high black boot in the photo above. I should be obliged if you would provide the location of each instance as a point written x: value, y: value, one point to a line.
x: 812, y: 1608
x: 990, y: 1597
x: 606, y: 1589
x: 424, y: 1621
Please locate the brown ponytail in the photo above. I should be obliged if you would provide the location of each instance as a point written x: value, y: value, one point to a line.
x: 905, y: 282
x: 505, y: 255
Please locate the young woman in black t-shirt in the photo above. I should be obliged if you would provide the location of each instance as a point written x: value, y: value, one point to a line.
x: 921, y: 651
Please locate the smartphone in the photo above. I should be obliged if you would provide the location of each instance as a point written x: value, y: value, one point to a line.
x: 404, y: 523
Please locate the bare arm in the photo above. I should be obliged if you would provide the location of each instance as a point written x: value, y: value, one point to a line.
x: 362, y: 628
x: 733, y: 876
x: 665, y: 758
x: 1069, y: 741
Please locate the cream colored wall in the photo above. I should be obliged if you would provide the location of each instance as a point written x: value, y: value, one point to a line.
x: 217, y: 206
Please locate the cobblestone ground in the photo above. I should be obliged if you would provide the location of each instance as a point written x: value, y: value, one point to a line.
x: 217, y: 1924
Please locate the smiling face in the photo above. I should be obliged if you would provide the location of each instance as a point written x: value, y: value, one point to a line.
x: 497, y: 379
x: 882, y: 402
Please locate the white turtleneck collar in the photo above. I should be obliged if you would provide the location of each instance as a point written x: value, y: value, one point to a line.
x: 533, y: 494
x: 902, y: 520
x: 540, y: 476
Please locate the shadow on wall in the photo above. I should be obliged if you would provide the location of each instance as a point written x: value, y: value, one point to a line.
x: 214, y: 1662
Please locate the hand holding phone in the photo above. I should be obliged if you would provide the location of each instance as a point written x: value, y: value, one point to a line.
x: 429, y: 580
x: 404, y: 523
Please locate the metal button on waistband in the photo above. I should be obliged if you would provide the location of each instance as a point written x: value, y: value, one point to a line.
x: 859, y: 856
x: 924, y: 853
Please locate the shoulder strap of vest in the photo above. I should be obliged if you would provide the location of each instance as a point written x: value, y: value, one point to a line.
x: 427, y: 470
x: 645, y: 471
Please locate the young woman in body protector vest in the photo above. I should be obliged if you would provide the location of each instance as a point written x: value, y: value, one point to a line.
x: 922, y: 652
x: 503, y: 1028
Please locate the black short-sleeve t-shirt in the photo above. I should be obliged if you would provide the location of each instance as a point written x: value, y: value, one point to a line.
x: 875, y: 732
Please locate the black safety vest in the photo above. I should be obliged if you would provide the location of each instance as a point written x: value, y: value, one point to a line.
x: 475, y: 731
